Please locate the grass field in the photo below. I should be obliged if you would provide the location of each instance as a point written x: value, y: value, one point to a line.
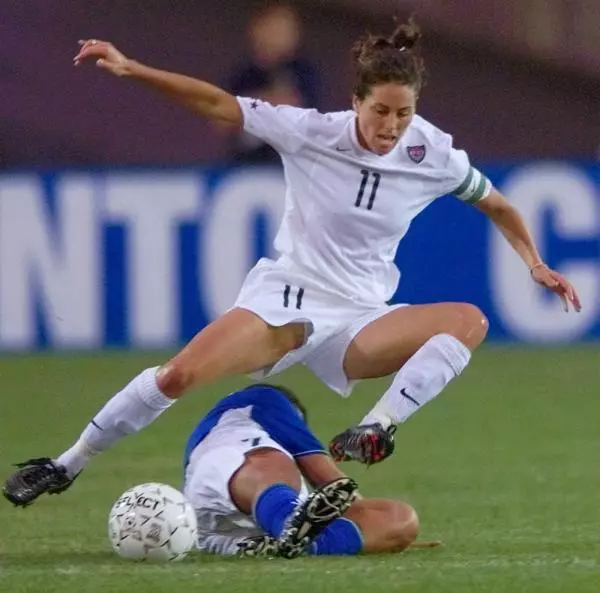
x: 503, y: 468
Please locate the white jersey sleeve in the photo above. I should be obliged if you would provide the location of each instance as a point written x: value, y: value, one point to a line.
x: 282, y: 126
x: 465, y: 181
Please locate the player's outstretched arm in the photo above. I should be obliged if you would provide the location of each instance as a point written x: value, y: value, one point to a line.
x: 202, y: 97
x: 319, y: 469
x: 510, y: 222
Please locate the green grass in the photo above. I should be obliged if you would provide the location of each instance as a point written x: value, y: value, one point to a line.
x: 503, y: 468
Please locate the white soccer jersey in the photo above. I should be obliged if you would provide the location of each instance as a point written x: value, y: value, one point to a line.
x: 347, y: 208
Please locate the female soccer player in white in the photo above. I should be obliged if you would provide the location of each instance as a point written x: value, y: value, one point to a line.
x: 355, y: 181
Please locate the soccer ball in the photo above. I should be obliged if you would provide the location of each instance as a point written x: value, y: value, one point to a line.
x: 152, y: 522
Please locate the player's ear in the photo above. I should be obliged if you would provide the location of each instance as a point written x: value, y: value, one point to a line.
x: 356, y: 102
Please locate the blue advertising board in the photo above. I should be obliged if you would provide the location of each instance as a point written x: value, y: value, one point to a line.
x: 145, y: 258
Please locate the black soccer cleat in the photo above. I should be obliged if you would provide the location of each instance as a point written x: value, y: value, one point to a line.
x: 261, y: 546
x: 369, y: 443
x: 322, y: 507
x: 34, y: 478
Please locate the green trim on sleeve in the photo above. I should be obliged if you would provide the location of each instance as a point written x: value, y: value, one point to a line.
x: 465, y: 184
x: 474, y: 187
x: 479, y: 192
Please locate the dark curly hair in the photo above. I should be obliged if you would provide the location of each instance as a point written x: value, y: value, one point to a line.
x: 396, y: 58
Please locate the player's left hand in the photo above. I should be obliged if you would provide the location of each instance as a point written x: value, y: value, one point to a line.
x: 558, y: 284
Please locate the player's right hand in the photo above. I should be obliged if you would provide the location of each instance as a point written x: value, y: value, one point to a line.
x: 558, y: 284
x: 107, y: 56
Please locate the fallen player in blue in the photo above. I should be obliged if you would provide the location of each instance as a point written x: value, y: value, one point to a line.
x: 248, y: 467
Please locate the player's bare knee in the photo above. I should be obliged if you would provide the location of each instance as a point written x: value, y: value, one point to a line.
x: 270, y: 466
x: 479, y: 324
x: 404, y: 526
x: 174, y: 379
x: 470, y: 324
x: 261, y: 469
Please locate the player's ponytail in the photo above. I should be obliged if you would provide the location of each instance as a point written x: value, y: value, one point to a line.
x: 407, y: 36
x: 396, y: 58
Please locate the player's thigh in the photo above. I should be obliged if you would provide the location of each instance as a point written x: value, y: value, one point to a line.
x: 238, y: 342
x: 245, y: 455
x: 384, y: 345
x: 261, y: 469
x: 386, y: 525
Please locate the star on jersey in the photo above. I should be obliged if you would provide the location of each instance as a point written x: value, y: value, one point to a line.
x: 254, y: 104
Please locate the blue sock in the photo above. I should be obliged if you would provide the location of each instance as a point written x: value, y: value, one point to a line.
x: 340, y: 538
x: 273, y: 507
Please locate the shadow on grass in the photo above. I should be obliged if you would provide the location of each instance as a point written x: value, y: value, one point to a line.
x: 56, y: 558
x: 82, y: 558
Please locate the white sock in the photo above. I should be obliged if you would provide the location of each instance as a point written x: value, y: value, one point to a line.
x: 424, y: 375
x: 134, y: 407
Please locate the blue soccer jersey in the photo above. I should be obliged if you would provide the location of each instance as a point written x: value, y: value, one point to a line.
x: 272, y: 410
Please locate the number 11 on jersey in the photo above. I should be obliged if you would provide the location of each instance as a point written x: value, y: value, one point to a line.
x: 363, y: 186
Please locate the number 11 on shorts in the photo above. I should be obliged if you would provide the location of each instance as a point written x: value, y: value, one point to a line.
x: 286, y: 296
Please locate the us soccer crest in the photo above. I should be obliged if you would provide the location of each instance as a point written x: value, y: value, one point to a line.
x: 416, y: 153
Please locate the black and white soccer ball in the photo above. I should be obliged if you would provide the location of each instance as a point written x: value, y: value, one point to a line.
x: 152, y: 522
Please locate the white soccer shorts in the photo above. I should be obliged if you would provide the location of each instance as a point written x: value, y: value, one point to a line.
x: 280, y: 297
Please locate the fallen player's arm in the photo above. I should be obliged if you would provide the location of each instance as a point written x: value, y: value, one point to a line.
x: 319, y: 469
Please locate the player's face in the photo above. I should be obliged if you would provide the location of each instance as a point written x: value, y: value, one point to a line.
x: 384, y: 115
